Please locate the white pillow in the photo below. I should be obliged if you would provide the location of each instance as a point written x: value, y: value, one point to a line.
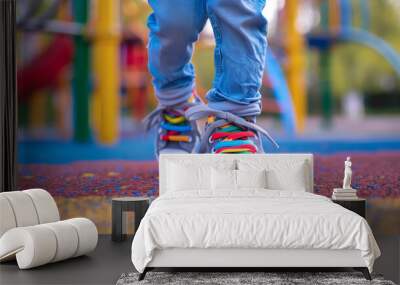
x: 251, y: 178
x: 291, y: 177
x: 223, y: 179
x: 231, y: 180
x: 182, y: 177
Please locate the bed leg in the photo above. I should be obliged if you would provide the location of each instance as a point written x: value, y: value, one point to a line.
x: 143, y: 274
x: 364, y: 271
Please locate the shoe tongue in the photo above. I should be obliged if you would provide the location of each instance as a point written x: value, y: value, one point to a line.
x: 251, y: 119
x: 192, y: 99
x: 179, y: 110
x: 174, y: 112
x: 211, y: 119
x: 182, y: 107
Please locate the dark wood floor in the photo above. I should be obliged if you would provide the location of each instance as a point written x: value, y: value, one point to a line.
x: 110, y: 260
x: 103, y: 266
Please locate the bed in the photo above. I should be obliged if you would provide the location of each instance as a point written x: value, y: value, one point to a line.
x: 246, y: 211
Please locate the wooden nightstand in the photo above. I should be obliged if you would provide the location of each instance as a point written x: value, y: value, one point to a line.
x: 357, y: 205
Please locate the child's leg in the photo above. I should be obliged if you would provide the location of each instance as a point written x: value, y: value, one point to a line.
x: 174, y: 27
x: 240, y: 32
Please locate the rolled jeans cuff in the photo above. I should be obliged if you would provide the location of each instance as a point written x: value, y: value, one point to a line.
x: 253, y: 109
x: 173, y: 97
x: 239, y: 109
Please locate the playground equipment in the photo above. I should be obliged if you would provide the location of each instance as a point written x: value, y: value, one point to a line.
x: 106, y: 45
x: 93, y: 42
x: 81, y: 75
x: 295, y: 48
x: 281, y: 92
x: 104, y: 39
x: 378, y: 45
x: 336, y: 27
x: 45, y: 68
x: 135, y: 77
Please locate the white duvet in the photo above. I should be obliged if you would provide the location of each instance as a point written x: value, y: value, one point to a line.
x: 250, y: 219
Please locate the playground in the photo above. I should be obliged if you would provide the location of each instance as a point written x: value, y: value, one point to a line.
x: 331, y: 87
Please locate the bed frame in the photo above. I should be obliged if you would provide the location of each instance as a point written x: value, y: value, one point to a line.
x: 242, y: 259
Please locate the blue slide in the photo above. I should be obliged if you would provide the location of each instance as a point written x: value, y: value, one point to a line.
x: 380, y: 46
x: 281, y: 92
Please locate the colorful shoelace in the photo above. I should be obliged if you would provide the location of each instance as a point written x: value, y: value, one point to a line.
x: 175, y: 124
x: 232, y: 139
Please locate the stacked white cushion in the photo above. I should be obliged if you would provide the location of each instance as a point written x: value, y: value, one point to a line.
x: 87, y: 235
x: 23, y: 208
x: 65, y: 236
x: 31, y: 232
x: 7, y: 219
x: 46, y: 207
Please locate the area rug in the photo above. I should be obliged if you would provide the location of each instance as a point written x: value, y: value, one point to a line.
x: 243, y: 278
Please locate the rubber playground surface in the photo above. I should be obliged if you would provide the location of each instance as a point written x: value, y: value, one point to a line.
x: 84, y: 178
x: 130, y: 169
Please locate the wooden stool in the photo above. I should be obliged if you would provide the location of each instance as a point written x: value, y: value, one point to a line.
x: 138, y: 205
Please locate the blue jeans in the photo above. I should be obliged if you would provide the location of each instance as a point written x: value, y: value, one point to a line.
x: 240, y: 33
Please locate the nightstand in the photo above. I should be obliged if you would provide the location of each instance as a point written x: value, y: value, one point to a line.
x: 357, y: 205
x: 120, y: 205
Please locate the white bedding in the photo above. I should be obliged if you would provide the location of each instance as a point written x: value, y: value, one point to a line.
x: 250, y: 219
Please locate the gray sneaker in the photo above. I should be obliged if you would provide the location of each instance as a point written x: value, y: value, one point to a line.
x: 175, y: 133
x: 227, y: 133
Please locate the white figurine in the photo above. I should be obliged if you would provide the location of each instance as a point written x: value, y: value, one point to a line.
x: 347, y: 174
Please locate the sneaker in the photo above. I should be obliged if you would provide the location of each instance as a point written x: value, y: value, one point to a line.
x: 175, y: 133
x: 228, y: 133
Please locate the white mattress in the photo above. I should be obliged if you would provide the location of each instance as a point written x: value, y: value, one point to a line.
x: 253, y: 219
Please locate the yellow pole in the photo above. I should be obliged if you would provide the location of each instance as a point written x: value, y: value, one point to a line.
x: 106, y: 60
x: 296, y: 53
